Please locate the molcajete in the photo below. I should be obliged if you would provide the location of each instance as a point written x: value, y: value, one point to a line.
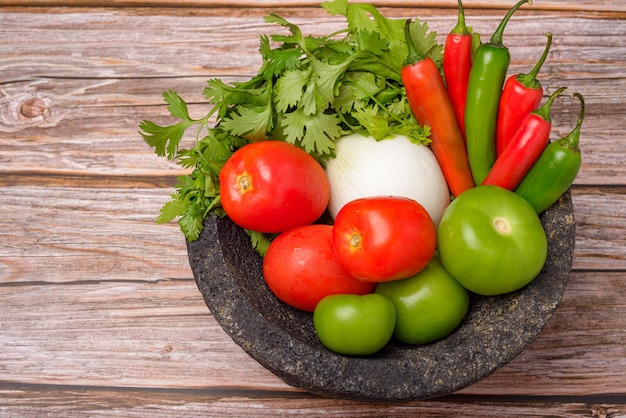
x: 228, y: 273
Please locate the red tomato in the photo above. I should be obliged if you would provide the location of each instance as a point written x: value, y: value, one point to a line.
x: 271, y: 186
x: 380, y: 239
x: 300, y: 267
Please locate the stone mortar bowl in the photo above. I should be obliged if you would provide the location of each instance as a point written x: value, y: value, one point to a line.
x: 229, y: 275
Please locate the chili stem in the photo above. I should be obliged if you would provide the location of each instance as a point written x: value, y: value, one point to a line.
x: 496, y: 38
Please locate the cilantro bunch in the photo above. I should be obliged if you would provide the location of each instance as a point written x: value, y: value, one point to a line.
x: 309, y: 91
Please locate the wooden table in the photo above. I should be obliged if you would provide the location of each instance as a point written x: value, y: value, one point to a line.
x: 99, y: 311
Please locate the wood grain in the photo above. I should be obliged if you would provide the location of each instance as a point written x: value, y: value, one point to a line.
x: 110, y: 232
x: 74, y: 88
x: 561, y: 5
x: 137, y: 333
x: 99, y: 312
x: 105, y: 402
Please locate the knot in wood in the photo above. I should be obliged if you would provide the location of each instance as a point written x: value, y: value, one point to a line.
x: 32, y: 108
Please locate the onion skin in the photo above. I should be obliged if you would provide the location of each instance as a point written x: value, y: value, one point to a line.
x: 365, y: 167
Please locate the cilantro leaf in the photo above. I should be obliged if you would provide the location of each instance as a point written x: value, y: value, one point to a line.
x: 376, y: 123
x: 213, y: 151
x: 217, y: 92
x: 260, y: 242
x: 308, y: 91
x: 224, y: 96
x: 191, y: 222
x: 290, y: 89
x: 251, y: 123
x: 363, y: 17
x: 328, y: 79
x: 337, y: 7
x: 315, y: 133
x: 425, y: 41
x: 372, y: 42
x: 164, y: 139
x: 177, y: 106
x: 173, y: 209
x: 278, y: 60
x: 188, y: 205
x: 296, y: 34
x: 311, y: 102
x: 366, y: 85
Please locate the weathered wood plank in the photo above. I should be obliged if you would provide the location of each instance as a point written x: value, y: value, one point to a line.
x: 600, y: 228
x: 564, y: 5
x: 73, y: 402
x: 141, y: 44
x: 85, y: 104
x: 87, y: 234
x: 106, y: 234
x: 129, y: 333
x: 159, y: 334
x: 98, y: 133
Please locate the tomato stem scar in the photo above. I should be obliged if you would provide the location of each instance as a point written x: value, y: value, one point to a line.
x: 244, y: 182
x: 502, y: 225
x: 355, y: 240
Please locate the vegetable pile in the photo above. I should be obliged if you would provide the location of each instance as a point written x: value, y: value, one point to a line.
x: 382, y: 176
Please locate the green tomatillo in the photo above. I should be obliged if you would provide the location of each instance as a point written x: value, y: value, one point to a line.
x: 491, y: 241
x: 429, y: 305
x: 354, y: 324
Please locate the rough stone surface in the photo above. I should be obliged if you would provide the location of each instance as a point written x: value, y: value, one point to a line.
x: 496, y: 329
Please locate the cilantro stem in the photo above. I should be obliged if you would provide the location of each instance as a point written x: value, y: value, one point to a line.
x: 339, y: 32
x: 342, y: 118
x: 214, y: 203
x: 296, y: 88
x: 371, y: 63
x: 376, y: 101
x: 204, y: 122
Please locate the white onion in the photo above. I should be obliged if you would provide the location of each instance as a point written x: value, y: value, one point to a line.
x: 365, y: 167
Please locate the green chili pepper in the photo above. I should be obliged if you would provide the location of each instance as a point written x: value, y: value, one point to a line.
x: 555, y: 170
x: 489, y: 69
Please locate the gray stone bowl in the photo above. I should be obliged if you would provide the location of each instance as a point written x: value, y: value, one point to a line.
x: 282, y: 339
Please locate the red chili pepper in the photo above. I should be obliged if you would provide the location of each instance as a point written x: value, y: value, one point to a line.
x: 430, y: 104
x: 525, y: 147
x: 521, y: 95
x: 457, y: 63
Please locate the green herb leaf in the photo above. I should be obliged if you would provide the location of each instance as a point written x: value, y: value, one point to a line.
x: 315, y: 133
x: 177, y: 106
x: 337, y: 7
x: 290, y: 89
x: 276, y: 61
x: 308, y: 91
x: 296, y: 34
x: 260, y: 242
x: 426, y: 41
x: 250, y: 123
x: 327, y: 81
x: 164, y: 139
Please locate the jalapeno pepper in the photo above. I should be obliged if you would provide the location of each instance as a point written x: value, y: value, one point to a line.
x: 555, y: 170
x: 457, y: 63
x: 524, y: 149
x: 521, y: 95
x: 491, y: 62
x: 430, y: 104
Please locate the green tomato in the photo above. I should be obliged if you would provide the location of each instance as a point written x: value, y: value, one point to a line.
x: 354, y: 324
x: 429, y: 305
x: 491, y: 241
